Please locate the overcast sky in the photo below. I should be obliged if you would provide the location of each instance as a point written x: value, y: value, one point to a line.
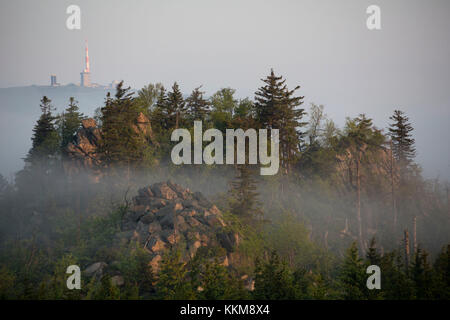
x: 322, y: 45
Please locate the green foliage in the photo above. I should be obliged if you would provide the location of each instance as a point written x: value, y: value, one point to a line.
x: 69, y: 122
x: 403, y: 143
x: 441, y: 268
x: 197, y: 106
x: 421, y: 275
x: 121, y: 143
x: 352, y: 276
x: 276, y: 108
x: 148, y: 96
x: 273, y: 280
x: 244, y: 196
x: 45, y: 140
x: 173, y: 283
x: 175, y: 108
x: 213, y: 281
x: 103, y: 290
x: 311, y: 209
x: 7, y: 281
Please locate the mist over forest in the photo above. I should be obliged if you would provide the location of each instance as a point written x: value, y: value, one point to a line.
x: 98, y: 189
x: 20, y: 107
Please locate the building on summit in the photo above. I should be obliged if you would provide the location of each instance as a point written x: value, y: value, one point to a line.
x: 86, y: 74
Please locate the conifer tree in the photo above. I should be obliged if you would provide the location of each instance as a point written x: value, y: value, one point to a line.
x: 148, y: 96
x: 244, y: 196
x: 45, y: 138
x: 218, y: 283
x: 121, y: 143
x: 395, y: 283
x: 276, y: 108
x: 441, y: 268
x: 402, y: 141
x: 175, y: 107
x: 421, y: 275
x: 159, y: 114
x: 352, y: 276
x: 372, y: 255
x: 70, y: 122
x: 173, y: 283
x: 198, y: 108
x: 273, y: 280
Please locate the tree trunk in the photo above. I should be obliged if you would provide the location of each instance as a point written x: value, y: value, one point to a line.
x: 415, y: 234
x: 406, y: 243
x: 394, y: 203
x: 358, y: 203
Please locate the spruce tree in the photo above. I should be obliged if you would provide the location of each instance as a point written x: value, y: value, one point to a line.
x: 175, y: 107
x: 173, y: 281
x: 197, y: 107
x: 441, y: 268
x: 402, y: 141
x: 395, y: 283
x: 277, y: 108
x: 70, y: 122
x: 244, y: 196
x: 273, y: 280
x: 159, y: 115
x: 121, y: 142
x: 45, y: 140
x: 372, y: 255
x: 421, y: 275
x: 352, y: 275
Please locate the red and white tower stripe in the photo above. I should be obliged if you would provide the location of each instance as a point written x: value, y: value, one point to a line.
x: 87, y: 59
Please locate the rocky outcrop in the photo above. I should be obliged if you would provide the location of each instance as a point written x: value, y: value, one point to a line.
x: 82, y: 152
x: 373, y: 163
x: 165, y: 215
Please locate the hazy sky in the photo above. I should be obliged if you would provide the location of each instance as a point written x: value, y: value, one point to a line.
x: 322, y: 45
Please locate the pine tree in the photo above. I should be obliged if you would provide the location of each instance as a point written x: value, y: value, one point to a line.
x: 276, y: 108
x: 218, y: 283
x: 159, y: 115
x: 421, y: 275
x: 45, y: 138
x: 121, y: 143
x: 441, y: 268
x: 197, y: 107
x: 352, y: 276
x: 70, y: 122
x: 403, y: 143
x: 395, y: 283
x: 273, y: 280
x: 173, y: 283
x: 175, y: 107
x: 372, y: 255
x: 244, y: 196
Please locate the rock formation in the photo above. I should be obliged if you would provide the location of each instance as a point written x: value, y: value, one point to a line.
x: 82, y: 152
x: 164, y: 215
